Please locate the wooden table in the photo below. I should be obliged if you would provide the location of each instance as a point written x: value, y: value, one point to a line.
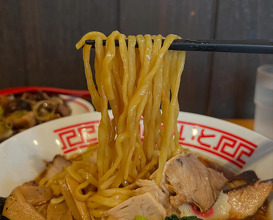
x: 248, y: 123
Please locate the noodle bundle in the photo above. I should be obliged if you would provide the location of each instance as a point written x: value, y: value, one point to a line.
x: 139, y: 84
x: 135, y: 173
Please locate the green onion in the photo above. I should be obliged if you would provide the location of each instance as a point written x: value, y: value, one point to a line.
x: 140, y: 218
x: 174, y: 217
x: 1, y: 112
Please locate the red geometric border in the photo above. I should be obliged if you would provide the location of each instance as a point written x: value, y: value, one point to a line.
x: 218, y: 130
x: 78, y: 136
x: 229, y: 146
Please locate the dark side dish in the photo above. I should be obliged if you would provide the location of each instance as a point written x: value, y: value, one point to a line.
x: 25, y: 110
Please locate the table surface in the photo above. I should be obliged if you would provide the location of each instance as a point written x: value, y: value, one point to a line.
x: 248, y: 123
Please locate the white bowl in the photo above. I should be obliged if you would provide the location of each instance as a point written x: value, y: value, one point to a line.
x: 238, y: 148
x: 77, y: 105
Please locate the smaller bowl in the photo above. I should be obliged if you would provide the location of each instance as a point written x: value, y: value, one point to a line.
x: 77, y: 105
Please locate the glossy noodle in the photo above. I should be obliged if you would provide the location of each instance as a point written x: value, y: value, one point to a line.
x: 137, y: 83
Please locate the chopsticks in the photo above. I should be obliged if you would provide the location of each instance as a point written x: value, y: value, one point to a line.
x: 231, y: 46
x: 72, y: 92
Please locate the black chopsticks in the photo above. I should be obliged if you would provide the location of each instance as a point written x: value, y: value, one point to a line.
x: 231, y: 46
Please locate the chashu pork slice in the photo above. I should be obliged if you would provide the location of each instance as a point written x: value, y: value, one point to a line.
x: 142, y: 205
x: 189, y: 181
x: 246, y: 200
x: 151, y: 187
x: 56, y: 166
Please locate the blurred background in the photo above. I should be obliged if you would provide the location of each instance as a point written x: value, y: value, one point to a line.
x: 37, y: 44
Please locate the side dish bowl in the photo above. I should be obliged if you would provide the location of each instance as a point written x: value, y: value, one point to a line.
x: 77, y: 105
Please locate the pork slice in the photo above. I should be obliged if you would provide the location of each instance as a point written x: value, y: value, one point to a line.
x: 246, y: 200
x: 56, y: 166
x: 5, y: 100
x: 189, y: 181
x: 16, y: 104
x: 151, y: 187
x: 63, y: 110
x: 142, y: 205
x: 27, y: 120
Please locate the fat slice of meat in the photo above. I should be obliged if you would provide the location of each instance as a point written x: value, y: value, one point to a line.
x: 220, y: 209
x: 151, y: 187
x: 56, y: 166
x: 25, y: 121
x: 63, y: 109
x: 17, y: 104
x: 5, y: 100
x: 246, y: 200
x: 142, y: 205
x: 188, y: 180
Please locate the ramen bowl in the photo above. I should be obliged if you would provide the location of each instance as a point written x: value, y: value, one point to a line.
x: 22, y: 156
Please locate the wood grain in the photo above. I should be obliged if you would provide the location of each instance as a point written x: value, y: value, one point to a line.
x: 12, y: 71
x: 265, y: 27
x: 49, y: 32
x: 234, y: 75
x: 38, y: 37
x: 56, y: 57
x: 189, y: 19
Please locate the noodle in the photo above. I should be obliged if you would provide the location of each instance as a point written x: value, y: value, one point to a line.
x: 138, y: 83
